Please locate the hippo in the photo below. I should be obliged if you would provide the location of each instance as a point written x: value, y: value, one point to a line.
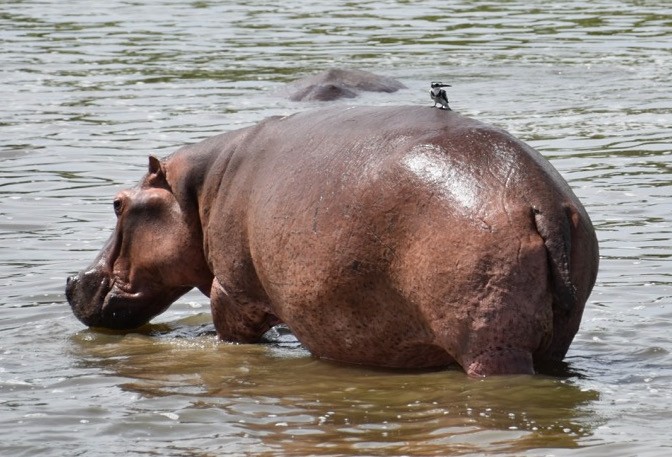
x: 399, y: 236
x: 337, y: 83
x: 322, y: 92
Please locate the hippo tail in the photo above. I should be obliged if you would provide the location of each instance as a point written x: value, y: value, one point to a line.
x: 556, y: 231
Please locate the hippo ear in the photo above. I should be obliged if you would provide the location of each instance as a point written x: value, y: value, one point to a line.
x: 156, y: 175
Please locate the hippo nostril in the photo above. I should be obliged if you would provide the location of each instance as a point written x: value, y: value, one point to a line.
x: 71, y: 281
x: 70, y: 285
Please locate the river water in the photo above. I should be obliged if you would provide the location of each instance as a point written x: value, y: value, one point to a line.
x: 88, y: 88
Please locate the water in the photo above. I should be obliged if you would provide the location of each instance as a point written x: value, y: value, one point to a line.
x: 89, y: 88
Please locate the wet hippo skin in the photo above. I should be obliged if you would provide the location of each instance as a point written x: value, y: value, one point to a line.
x: 398, y: 236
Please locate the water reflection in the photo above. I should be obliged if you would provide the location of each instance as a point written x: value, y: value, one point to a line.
x: 277, y: 394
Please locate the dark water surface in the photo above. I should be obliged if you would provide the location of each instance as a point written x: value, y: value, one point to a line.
x: 89, y: 88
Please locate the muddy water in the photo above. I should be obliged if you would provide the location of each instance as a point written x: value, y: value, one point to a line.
x: 89, y: 88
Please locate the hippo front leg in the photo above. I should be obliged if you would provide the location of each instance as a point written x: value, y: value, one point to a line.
x: 237, y: 319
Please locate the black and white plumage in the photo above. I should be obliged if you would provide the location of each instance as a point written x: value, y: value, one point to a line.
x: 439, y: 95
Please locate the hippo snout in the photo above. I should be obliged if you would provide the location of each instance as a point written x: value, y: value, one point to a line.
x: 73, y: 289
x: 69, y: 285
x: 98, y: 301
x: 85, y: 293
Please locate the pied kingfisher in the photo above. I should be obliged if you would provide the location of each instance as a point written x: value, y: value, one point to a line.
x: 439, y: 95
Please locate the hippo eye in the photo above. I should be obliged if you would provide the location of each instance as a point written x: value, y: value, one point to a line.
x: 117, y: 204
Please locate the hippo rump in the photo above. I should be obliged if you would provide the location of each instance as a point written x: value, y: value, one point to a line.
x: 396, y: 236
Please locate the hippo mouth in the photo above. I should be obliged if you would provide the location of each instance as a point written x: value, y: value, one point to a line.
x: 98, y: 301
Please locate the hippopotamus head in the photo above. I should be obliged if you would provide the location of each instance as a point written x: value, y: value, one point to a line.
x: 154, y: 256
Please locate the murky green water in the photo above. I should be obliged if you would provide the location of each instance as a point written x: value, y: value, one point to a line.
x: 89, y: 88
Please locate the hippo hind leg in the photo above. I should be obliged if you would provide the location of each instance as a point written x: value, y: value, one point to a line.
x: 491, y: 310
x: 498, y: 361
x: 513, y: 321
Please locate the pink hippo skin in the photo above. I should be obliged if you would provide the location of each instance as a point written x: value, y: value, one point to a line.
x: 389, y: 236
